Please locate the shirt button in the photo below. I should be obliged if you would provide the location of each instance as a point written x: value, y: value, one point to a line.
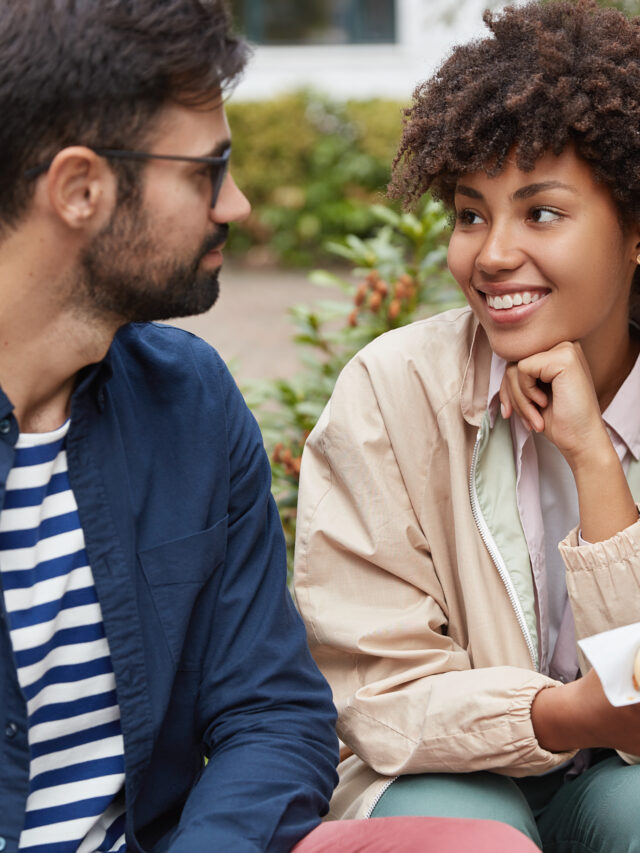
x: 11, y: 731
x: 5, y: 429
x: 3, y: 843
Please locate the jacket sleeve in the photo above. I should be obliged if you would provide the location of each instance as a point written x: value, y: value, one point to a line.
x: 408, y: 700
x: 603, y: 580
x: 265, y: 712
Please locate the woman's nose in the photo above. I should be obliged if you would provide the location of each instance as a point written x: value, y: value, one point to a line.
x: 499, y: 250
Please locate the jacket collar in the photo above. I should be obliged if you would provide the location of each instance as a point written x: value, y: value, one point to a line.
x: 93, y: 378
x: 475, y: 381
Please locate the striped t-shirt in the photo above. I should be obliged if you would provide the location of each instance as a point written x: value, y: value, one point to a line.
x: 76, y: 792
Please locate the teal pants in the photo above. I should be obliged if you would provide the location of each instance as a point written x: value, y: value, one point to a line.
x: 598, y: 812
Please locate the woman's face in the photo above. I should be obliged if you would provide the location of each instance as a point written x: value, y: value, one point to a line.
x: 541, y: 257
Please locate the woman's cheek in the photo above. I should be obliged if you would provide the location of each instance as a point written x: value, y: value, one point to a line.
x: 460, y: 266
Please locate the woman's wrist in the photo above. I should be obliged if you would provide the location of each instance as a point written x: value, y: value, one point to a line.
x: 553, y: 717
x: 605, y: 500
x: 595, y: 453
x: 569, y: 716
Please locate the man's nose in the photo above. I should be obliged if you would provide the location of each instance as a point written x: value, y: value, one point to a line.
x: 232, y: 204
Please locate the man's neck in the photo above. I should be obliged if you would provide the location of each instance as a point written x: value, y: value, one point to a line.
x: 45, y: 336
x: 39, y: 377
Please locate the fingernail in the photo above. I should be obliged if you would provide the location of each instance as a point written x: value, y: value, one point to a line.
x: 503, y: 411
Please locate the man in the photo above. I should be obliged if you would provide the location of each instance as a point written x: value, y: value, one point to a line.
x: 156, y: 689
x: 147, y: 624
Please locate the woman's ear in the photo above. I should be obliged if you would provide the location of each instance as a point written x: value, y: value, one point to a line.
x: 635, y: 230
x: 81, y: 187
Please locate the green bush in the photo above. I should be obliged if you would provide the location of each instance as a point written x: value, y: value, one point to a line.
x: 399, y: 275
x: 311, y: 168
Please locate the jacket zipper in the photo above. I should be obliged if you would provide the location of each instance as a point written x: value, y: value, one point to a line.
x: 495, y: 555
x: 380, y: 795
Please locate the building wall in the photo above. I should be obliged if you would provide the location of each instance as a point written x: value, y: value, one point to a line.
x: 426, y: 32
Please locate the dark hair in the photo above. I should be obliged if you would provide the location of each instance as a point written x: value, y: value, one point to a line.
x: 97, y: 72
x: 551, y: 74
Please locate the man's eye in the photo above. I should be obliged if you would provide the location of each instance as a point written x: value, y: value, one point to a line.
x: 544, y: 214
x: 468, y: 217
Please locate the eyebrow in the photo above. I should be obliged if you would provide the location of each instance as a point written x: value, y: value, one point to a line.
x: 534, y: 189
x: 524, y: 192
x: 461, y: 189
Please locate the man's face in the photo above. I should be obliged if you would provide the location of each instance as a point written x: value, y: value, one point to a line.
x: 161, y: 252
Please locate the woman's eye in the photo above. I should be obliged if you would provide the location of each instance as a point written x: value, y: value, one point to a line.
x: 544, y: 215
x: 468, y: 217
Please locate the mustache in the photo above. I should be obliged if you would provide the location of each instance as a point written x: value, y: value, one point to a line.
x: 216, y: 240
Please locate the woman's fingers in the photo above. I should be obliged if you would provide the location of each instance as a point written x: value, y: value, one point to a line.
x: 520, y: 393
x: 553, y: 393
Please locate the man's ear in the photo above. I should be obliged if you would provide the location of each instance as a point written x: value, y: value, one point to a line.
x: 81, y: 187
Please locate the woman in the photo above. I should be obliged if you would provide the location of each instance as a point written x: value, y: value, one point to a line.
x: 458, y: 452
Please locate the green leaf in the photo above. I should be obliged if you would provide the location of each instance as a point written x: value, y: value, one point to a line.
x: 322, y: 278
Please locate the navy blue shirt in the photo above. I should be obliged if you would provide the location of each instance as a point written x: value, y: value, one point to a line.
x: 210, y: 657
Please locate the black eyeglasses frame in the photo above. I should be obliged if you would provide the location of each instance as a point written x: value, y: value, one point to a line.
x: 218, y: 170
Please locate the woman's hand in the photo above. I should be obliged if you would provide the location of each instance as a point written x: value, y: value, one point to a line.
x: 579, y: 715
x: 553, y: 393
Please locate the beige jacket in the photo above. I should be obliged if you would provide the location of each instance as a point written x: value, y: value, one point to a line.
x: 412, y: 571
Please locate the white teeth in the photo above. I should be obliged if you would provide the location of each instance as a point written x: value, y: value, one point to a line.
x: 509, y: 300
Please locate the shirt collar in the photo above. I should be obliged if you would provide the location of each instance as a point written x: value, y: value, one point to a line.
x: 621, y: 413
x: 93, y: 378
x: 473, y: 393
x: 498, y: 367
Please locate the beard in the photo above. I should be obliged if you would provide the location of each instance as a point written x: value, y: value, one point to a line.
x: 125, y: 271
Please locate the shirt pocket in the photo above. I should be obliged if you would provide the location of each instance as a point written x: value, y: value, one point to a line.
x: 176, y: 572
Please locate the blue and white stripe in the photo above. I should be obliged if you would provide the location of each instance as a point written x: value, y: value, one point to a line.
x: 76, y: 798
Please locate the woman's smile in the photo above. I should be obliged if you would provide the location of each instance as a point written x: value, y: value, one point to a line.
x: 512, y: 303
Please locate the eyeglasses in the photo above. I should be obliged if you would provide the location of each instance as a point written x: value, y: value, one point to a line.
x: 217, y: 165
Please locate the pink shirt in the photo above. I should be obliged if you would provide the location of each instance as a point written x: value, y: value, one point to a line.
x: 555, y: 621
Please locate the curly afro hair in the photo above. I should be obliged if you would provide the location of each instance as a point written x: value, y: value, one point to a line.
x: 550, y: 74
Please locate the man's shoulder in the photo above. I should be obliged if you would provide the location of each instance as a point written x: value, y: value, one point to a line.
x: 157, y: 355
x: 161, y: 344
x: 155, y: 365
